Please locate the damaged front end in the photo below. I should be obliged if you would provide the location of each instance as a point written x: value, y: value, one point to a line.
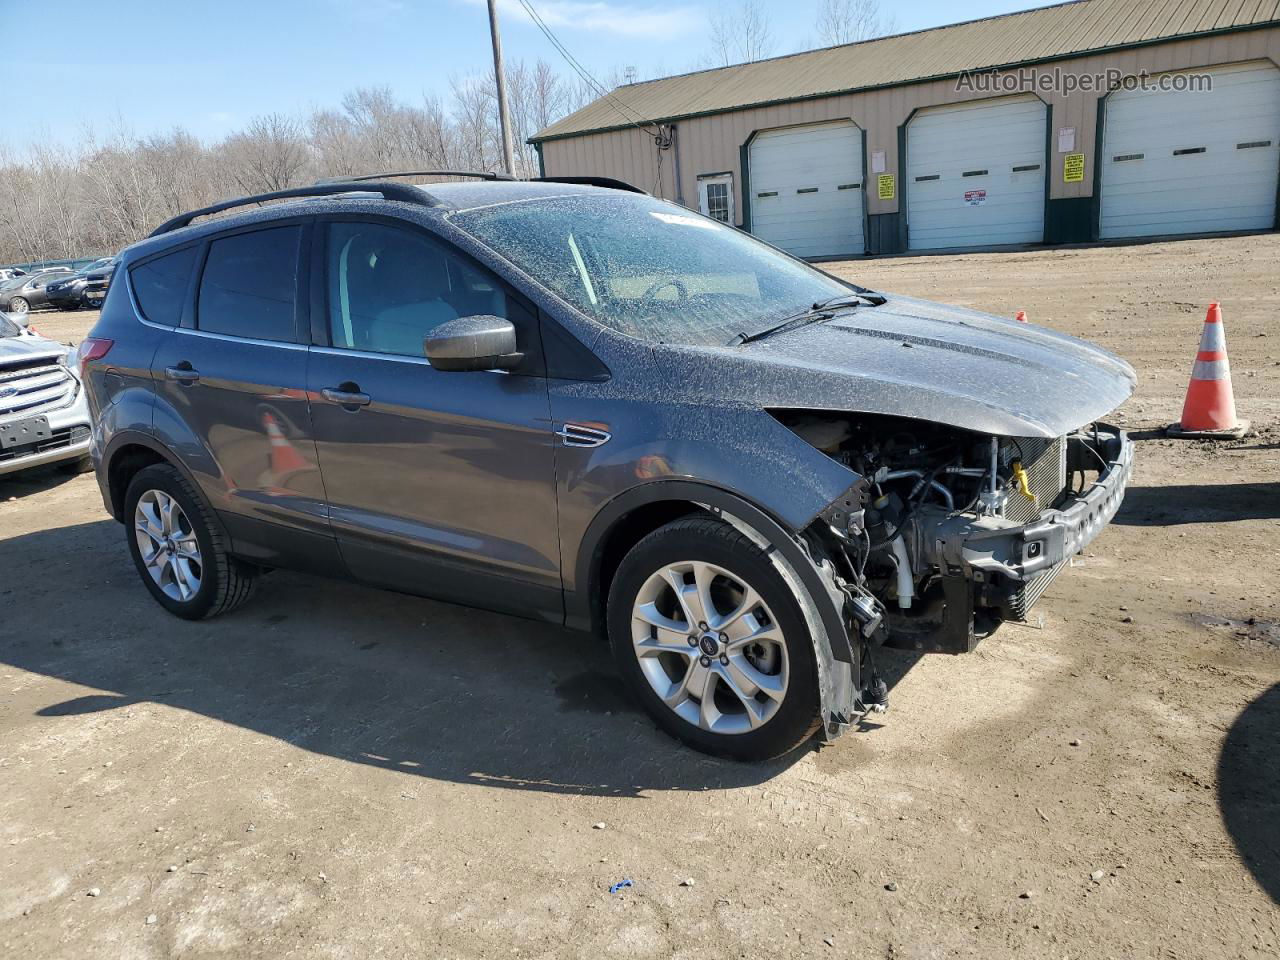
x: 947, y: 533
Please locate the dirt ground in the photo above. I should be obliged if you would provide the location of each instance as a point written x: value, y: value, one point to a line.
x: 336, y: 772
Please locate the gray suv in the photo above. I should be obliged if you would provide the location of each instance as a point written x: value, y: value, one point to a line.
x: 570, y: 401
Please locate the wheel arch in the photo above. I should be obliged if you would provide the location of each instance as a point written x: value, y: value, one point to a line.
x: 630, y: 516
x: 130, y: 452
x: 627, y: 518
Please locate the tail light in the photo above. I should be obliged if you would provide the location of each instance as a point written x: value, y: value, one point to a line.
x: 92, y: 348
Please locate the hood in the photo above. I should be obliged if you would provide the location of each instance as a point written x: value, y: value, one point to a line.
x: 30, y: 348
x: 928, y: 361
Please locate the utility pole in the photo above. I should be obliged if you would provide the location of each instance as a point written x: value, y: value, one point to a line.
x: 504, y: 119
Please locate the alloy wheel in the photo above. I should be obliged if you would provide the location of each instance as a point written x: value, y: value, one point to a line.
x: 710, y: 647
x: 168, y: 545
x: 18, y: 305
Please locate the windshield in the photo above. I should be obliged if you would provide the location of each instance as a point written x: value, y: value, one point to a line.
x: 651, y: 269
x: 7, y: 327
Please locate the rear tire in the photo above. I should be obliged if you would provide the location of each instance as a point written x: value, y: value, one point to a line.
x: 186, y: 565
x: 728, y: 665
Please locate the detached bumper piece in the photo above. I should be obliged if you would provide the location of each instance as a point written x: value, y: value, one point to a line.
x: 993, y: 569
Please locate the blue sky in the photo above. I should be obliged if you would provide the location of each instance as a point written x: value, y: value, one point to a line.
x: 212, y: 66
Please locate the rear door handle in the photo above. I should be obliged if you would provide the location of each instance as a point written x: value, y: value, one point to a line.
x: 347, y: 398
x: 182, y: 373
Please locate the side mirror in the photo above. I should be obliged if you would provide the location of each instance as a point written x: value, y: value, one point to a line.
x: 481, y: 342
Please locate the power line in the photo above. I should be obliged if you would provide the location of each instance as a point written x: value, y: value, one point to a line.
x: 619, y: 107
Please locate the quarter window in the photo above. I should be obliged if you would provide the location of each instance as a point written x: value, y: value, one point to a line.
x: 160, y: 286
x: 389, y: 288
x: 250, y: 283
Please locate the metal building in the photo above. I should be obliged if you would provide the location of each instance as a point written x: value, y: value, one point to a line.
x: 1089, y: 120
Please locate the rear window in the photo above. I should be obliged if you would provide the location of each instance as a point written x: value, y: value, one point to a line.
x: 249, y: 285
x: 160, y: 286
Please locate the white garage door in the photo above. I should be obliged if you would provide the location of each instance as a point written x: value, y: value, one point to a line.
x: 1188, y: 161
x: 806, y: 189
x: 975, y: 174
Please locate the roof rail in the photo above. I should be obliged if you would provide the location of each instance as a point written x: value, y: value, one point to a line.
x: 479, y: 175
x: 608, y: 182
x: 389, y: 191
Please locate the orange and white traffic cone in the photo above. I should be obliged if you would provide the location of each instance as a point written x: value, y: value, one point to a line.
x: 284, y: 459
x: 1021, y: 316
x: 1210, y: 408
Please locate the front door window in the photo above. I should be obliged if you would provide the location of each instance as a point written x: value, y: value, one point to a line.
x: 388, y: 288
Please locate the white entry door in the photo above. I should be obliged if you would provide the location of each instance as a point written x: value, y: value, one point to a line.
x: 715, y: 197
x: 1192, y: 160
x: 975, y: 174
x: 806, y: 189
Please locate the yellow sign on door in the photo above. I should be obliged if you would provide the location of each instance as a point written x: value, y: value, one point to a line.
x: 886, y: 184
x: 1073, y: 168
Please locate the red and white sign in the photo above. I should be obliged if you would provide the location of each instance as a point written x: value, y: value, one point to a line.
x: 975, y: 198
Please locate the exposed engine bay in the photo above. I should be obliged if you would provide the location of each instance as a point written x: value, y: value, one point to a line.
x: 948, y: 533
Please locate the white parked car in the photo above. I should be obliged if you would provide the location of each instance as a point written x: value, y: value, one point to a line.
x: 44, y: 417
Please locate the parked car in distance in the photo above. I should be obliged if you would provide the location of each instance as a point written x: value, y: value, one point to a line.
x: 96, y: 284
x: 68, y: 293
x: 8, y: 273
x: 574, y: 402
x: 44, y: 417
x: 21, y: 294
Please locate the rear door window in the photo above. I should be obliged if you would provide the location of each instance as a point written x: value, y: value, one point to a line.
x: 249, y: 286
x: 160, y: 286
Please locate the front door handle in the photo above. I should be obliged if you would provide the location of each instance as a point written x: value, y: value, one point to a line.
x: 183, y: 373
x: 347, y: 398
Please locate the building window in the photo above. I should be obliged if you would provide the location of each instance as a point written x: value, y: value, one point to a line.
x: 715, y: 197
x: 718, y: 201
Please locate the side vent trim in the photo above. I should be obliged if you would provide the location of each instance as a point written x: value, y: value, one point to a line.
x: 581, y: 435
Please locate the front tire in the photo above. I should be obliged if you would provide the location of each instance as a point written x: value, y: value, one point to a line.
x: 19, y: 305
x: 178, y: 548
x: 713, y: 641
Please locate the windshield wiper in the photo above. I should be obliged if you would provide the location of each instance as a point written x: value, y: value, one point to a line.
x: 818, y: 312
x: 812, y: 315
x: 845, y: 300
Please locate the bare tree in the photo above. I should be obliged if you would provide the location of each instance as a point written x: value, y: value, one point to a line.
x: 101, y: 194
x: 848, y: 21
x: 740, y: 33
x: 270, y: 155
x: 537, y: 97
x: 474, y: 119
x: 336, y: 144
